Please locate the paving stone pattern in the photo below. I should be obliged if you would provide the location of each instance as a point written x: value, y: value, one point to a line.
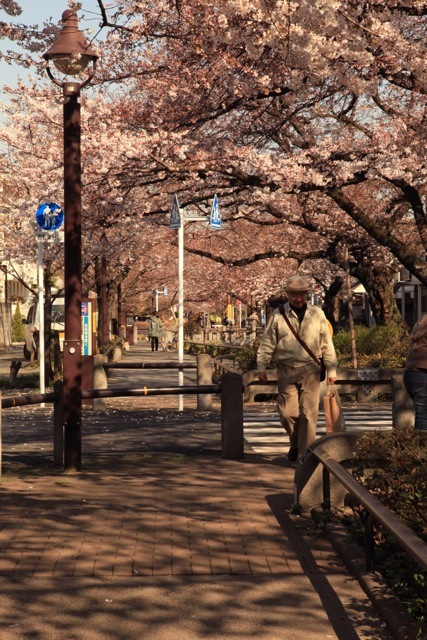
x: 159, y: 537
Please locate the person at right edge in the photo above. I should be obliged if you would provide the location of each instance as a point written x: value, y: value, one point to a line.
x: 298, y: 374
x: 415, y: 376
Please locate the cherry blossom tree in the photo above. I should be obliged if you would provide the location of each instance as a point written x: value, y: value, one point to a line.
x: 306, y: 118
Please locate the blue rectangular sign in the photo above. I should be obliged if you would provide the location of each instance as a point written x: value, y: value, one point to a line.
x: 215, y: 219
x: 86, y: 329
x: 175, y: 216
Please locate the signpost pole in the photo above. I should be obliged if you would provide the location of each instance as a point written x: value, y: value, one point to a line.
x: 49, y: 218
x: 181, y: 311
x: 41, y: 314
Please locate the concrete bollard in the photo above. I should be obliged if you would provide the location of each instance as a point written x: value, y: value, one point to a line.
x: 232, y: 446
x: 308, y: 487
x: 99, y: 381
x: 204, y: 376
x: 58, y: 425
x: 116, y: 354
x: 402, y: 407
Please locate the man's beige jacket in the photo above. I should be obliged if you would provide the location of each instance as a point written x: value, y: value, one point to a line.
x: 278, y: 340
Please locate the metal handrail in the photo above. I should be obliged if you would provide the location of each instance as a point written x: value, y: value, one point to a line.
x: 149, y: 365
x: 145, y: 391
x: 33, y: 398
x: 416, y: 547
x: 218, y: 345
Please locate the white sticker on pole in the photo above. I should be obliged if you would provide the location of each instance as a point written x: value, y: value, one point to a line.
x: 175, y: 216
x: 215, y: 219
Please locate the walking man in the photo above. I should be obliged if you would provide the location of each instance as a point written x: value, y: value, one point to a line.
x: 298, y: 373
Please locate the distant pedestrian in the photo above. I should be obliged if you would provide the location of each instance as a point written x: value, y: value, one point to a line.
x: 253, y: 321
x: 155, y: 329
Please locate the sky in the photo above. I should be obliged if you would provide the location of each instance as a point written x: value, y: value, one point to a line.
x: 35, y: 12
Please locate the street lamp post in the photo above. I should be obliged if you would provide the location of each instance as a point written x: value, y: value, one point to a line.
x: 71, y: 55
x: 158, y: 293
x: 104, y: 293
x: 178, y: 220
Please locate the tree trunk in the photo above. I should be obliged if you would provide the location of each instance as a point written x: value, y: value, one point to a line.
x: 333, y: 304
x: 378, y: 283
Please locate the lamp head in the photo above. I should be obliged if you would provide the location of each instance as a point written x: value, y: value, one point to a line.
x: 70, y: 53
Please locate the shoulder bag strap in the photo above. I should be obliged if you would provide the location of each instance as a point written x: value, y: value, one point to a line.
x: 300, y: 340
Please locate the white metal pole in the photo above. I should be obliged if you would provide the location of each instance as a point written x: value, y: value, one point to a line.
x: 157, y: 299
x: 41, y: 316
x: 181, y: 310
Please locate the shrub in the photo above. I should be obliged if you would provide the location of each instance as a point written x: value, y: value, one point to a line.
x: 377, y: 347
x: 393, y: 466
x: 211, y: 348
x: 18, y: 330
x: 246, y: 358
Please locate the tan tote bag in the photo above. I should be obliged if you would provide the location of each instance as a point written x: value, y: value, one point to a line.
x: 334, y: 416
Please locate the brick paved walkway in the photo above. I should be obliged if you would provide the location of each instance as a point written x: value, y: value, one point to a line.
x: 164, y: 516
x: 159, y: 538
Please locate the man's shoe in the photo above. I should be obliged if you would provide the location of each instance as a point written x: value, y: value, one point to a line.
x: 293, y: 454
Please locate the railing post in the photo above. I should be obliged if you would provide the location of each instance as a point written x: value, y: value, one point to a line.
x: 232, y: 416
x: 369, y: 542
x: 402, y: 405
x: 58, y: 425
x: 204, y: 376
x: 326, y: 481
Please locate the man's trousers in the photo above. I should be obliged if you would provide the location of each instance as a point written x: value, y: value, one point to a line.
x: 298, y: 403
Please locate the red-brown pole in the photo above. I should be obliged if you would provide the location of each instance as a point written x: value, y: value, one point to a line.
x: 119, y: 310
x: 72, y: 276
x: 104, y: 302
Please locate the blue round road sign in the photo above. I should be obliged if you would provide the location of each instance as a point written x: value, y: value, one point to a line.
x: 49, y: 216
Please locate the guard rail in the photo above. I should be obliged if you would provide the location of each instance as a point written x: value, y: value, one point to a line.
x: 407, y: 539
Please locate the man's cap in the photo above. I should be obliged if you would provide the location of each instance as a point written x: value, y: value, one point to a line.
x: 297, y: 283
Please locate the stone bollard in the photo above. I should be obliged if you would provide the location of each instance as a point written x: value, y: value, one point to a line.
x: 402, y: 408
x: 308, y: 487
x: 232, y: 446
x: 99, y: 381
x: 116, y: 354
x: 204, y: 376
